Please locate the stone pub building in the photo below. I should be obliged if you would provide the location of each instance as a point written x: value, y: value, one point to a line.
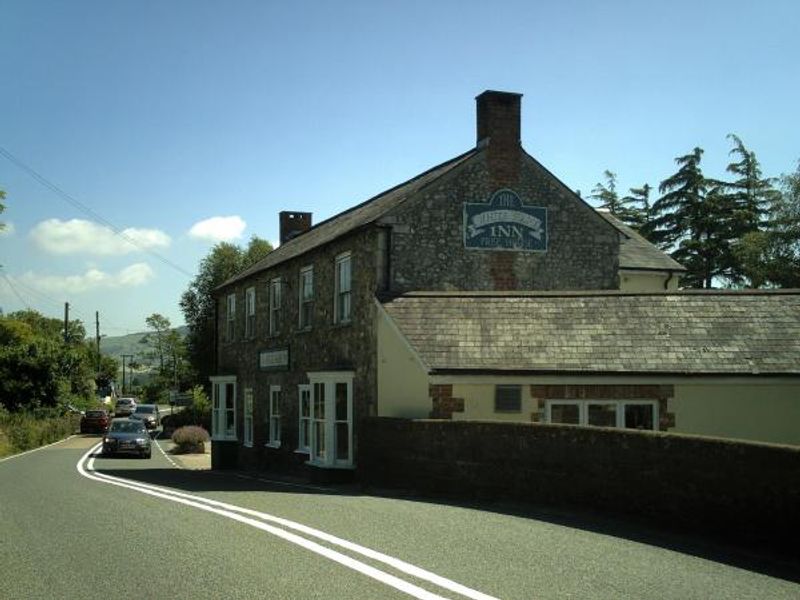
x: 484, y: 288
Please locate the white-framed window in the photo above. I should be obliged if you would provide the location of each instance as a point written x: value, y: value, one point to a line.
x: 250, y: 312
x: 627, y: 414
x: 274, y: 416
x: 223, y: 408
x: 304, y: 418
x: 342, y: 296
x: 248, y: 417
x: 274, y: 305
x: 508, y: 398
x: 306, y: 299
x: 230, y: 321
x: 332, y: 419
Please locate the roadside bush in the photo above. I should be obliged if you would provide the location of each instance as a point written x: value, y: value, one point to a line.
x: 21, y: 431
x: 190, y: 439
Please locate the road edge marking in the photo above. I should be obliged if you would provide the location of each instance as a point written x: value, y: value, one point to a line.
x: 69, y: 437
x: 395, y: 563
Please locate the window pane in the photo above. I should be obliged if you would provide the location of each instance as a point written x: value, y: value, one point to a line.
x: 342, y: 441
x: 319, y: 401
x: 229, y: 425
x: 229, y: 396
x: 603, y: 415
x: 508, y: 398
x: 568, y: 414
x: 341, y: 402
x: 639, y: 416
x: 319, y: 441
x: 305, y: 404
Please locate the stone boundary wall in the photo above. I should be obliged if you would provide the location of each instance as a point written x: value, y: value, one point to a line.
x: 741, y: 489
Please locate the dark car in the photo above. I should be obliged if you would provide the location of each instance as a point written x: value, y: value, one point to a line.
x: 94, y: 421
x: 127, y: 436
x: 148, y: 413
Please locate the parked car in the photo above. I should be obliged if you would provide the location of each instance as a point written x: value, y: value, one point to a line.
x: 147, y: 413
x: 125, y: 407
x: 127, y: 436
x: 94, y: 421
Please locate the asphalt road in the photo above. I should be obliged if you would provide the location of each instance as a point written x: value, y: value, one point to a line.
x: 76, y: 527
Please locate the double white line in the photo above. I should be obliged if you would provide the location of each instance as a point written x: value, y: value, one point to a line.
x: 284, y: 528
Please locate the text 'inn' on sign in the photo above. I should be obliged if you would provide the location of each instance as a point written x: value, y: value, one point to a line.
x: 504, y: 223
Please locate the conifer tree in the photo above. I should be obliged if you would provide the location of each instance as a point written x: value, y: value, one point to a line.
x: 691, y: 218
x: 606, y: 193
x: 636, y: 209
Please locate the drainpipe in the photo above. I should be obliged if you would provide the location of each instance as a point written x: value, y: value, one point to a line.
x: 668, y: 279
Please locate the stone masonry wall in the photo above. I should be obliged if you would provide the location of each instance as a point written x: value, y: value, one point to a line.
x: 427, y: 242
x: 739, y: 489
x: 325, y: 346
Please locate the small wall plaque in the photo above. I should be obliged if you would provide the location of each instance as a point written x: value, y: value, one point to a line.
x: 274, y: 360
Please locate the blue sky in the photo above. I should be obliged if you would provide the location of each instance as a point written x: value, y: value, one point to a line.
x: 160, y: 116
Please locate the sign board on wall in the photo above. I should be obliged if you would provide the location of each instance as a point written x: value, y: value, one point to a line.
x: 505, y: 223
x: 274, y: 360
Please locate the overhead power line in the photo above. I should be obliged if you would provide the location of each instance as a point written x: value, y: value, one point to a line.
x: 87, y: 210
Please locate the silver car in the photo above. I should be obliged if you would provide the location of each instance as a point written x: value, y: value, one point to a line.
x: 148, y: 413
x: 127, y: 436
x: 125, y: 407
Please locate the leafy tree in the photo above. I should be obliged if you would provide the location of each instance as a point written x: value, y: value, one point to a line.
x: 771, y: 257
x: 2, y: 208
x: 197, y: 302
x: 156, y: 339
x: 692, y: 218
x: 37, y: 369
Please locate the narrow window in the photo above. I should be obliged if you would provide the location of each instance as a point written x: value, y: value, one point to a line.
x: 274, y: 306
x: 507, y: 398
x: 231, y: 320
x: 341, y: 298
x: 223, y: 408
x: 306, y: 299
x: 275, y: 396
x: 250, y: 312
x: 304, y: 424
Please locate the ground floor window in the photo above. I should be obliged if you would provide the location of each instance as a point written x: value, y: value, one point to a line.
x: 274, y: 416
x: 248, y: 417
x: 627, y: 414
x: 223, y: 408
x: 304, y: 418
x: 331, y: 419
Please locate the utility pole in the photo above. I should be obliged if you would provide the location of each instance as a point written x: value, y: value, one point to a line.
x: 124, y: 356
x: 97, y: 336
x: 66, y: 322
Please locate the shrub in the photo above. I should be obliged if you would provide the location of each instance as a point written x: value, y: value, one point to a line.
x: 21, y: 431
x: 200, y: 402
x: 190, y: 439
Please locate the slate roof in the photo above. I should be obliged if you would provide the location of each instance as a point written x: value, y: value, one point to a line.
x: 682, y: 333
x: 636, y: 253
x: 351, y: 219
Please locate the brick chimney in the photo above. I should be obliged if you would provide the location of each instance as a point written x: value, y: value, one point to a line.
x: 499, y: 131
x: 293, y: 224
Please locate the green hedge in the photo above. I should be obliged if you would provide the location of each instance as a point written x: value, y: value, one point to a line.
x: 21, y: 431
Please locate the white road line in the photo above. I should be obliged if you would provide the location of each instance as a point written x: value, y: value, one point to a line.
x: 238, y: 514
x: 35, y: 449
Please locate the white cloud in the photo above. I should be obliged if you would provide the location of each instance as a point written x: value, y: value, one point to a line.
x: 93, y: 279
x: 219, y: 229
x: 9, y: 229
x: 80, y: 236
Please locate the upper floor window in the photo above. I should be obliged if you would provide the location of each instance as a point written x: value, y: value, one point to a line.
x: 274, y: 416
x: 230, y: 323
x: 306, y: 300
x: 341, y: 300
x: 250, y: 312
x: 274, y: 305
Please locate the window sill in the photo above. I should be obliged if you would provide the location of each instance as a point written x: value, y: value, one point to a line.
x: 246, y: 445
x: 274, y: 445
x: 224, y: 439
x: 303, y: 451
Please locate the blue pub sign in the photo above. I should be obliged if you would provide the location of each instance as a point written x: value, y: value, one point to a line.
x: 504, y: 223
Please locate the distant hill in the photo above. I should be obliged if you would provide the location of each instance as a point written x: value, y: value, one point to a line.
x: 118, y: 345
